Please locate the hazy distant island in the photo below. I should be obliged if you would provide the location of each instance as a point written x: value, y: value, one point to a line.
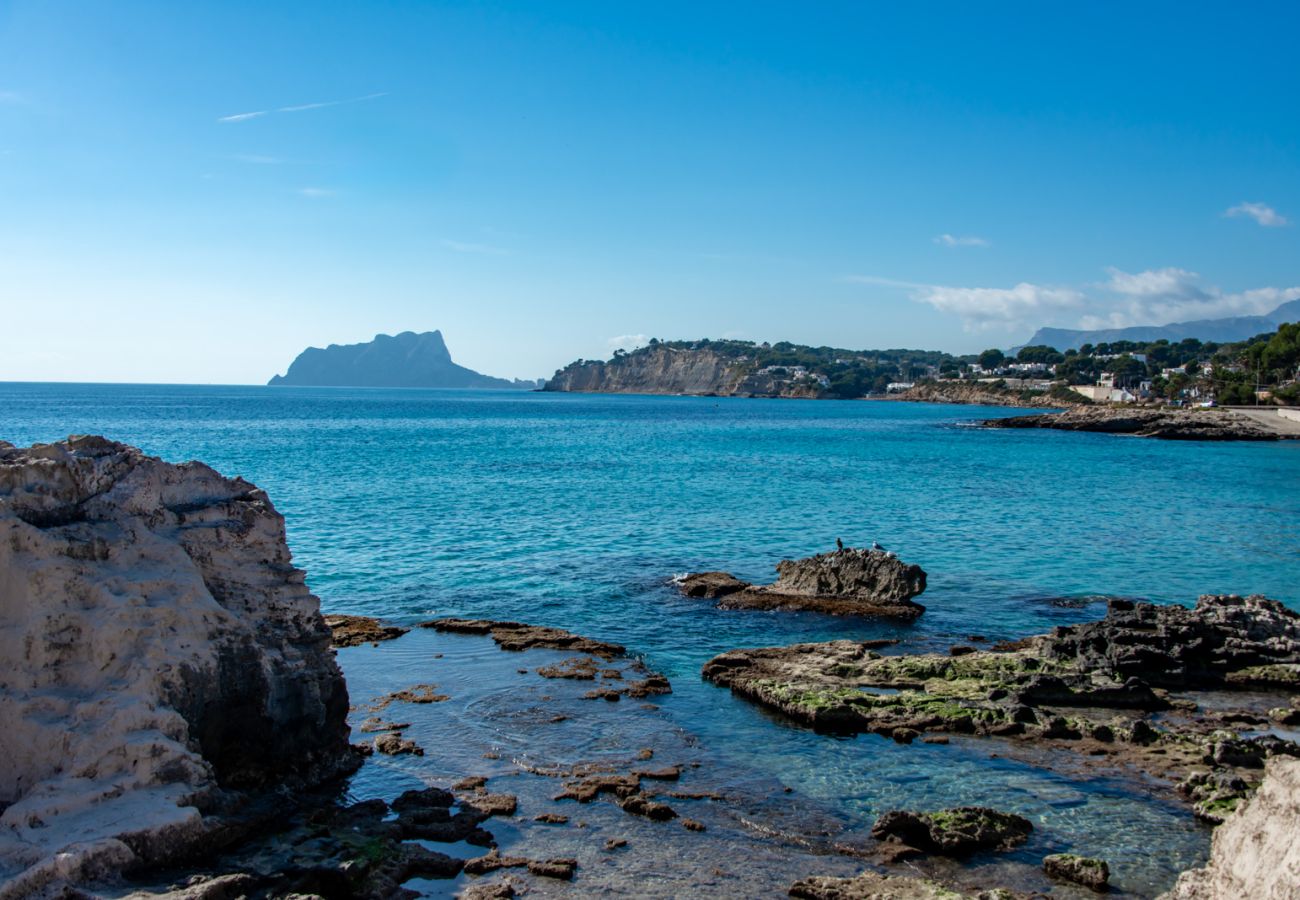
x: 406, y: 360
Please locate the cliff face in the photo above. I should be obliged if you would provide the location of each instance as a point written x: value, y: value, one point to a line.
x: 980, y: 394
x: 1255, y: 852
x: 158, y: 652
x: 667, y: 370
x: 404, y: 360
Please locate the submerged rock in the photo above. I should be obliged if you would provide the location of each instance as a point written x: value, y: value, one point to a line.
x: 1255, y: 852
x: 872, y: 886
x: 849, y: 581
x: 1084, y: 870
x: 159, y: 655
x: 519, y: 636
x: 954, y: 832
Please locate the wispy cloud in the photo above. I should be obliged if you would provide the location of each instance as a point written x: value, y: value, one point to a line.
x: 1149, y: 297
x: 468, y: 247
x: 627, y: 342
x: 242, y: 117
x: 952, y: 240
x: 12, y: 98
x: 316, y: 192
x: 301, y: 107
x: 1262, y: 213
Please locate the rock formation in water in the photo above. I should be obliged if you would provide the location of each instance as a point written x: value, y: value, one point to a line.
x: 849, y: 582
x: 160, y: 659
x: 1089, y: 688
x: 1256, y: 852
x: 407, y: 360
x: 1169, y: 424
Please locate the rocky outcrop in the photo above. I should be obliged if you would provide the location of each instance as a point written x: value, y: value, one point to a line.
x: 352, y: 631
x: 874, y: 886
x: 1090, y: 687
x: 160, y: 655
x: 849, y: 582
x: 954, y: 832
x: 672, y: 370
x: 1169, y: 424
x: 1255, y: 852
x: 978, y: 393
x: 1085, y: 870
x: 405, y: 360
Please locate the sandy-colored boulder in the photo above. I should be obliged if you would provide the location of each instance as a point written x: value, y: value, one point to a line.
x: 1255, y: 852
x: 159, y: 655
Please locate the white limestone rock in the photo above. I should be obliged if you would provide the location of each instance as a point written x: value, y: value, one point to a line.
x: 159, y: 653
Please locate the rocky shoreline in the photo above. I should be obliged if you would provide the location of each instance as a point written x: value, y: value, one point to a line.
x: 1166, y: 424
x: 845, y: 582
x: 181, y: 728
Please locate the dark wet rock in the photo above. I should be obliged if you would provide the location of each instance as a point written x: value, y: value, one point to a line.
x: 954, y: 832
x: 492, y: 861
x: 352, y: 631
x: 470, y: 783
x: 641, y: 805
x: 391, y: 744
x: 871, y: 886
x: 588, y: 789
x: 1225, y: 638
x: 1084, y: 870
x: 693, y: 825
x: 551, y: 819
x: 850, y: 581
x: 1169, y: 424
x: 374, y: 724
x: 519, y: 636
x: 666, y: 773
x: 615, y: 843
x: 561, y: 869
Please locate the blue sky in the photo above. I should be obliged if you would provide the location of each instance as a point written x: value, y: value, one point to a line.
x: 195, y: 192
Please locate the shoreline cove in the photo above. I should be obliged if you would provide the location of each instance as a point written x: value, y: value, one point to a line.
x: 420, y: 508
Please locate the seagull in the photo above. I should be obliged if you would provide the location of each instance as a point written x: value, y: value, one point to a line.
x: 839, y: 544
x: 875, y: 545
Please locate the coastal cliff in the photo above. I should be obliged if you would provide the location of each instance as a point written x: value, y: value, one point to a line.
x: 669, y: 370
x: 160, y: 659
x: 406, y: 360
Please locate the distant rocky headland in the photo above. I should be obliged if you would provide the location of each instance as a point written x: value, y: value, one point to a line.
x: 406, y: 360
x: 727, y: 368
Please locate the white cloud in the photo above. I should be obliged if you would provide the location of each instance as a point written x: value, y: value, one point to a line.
x: 1262, y: 213
x: 241, y: 117
x: 1161, y: 296
x: 468, y: 247
x: 984, y: 308
x: 950, y: 240
x: 316, y: 192
x: 1149, y: 297
x: 627, y: 342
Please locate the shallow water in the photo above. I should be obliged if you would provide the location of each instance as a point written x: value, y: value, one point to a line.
x: 575, y: 511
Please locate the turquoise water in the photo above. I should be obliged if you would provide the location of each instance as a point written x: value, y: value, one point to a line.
x: 575, y: 510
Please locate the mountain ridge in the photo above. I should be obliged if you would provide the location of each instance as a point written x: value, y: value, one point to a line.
x: 1223, y: 330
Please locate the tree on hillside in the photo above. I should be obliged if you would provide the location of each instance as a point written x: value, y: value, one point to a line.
x: 992, y: 358
x: 1040, y: 353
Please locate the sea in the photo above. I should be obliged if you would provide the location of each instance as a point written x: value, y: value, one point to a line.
x: 577, y: 510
